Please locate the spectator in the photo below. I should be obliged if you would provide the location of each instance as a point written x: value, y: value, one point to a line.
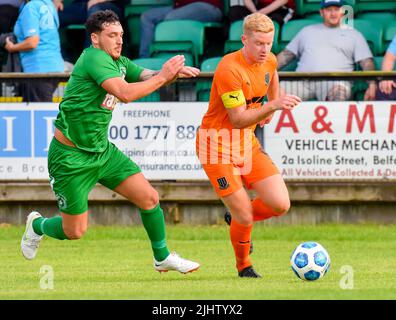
x: 12, y: 61
x: 205, y: 11
x: 38, y: 44
x: 9, y: 10
x: 327, y: 47
x: 280, y: 11
x: 387, y: 88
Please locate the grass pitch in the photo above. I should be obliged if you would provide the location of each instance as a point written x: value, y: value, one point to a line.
x: 116, y: 263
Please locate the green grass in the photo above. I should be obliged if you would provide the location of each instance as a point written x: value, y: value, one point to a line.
x: 116, y: 263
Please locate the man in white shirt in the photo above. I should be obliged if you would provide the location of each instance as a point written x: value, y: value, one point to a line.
x: 327, y: 47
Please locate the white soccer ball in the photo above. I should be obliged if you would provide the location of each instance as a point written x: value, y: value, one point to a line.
x: 310, y: 261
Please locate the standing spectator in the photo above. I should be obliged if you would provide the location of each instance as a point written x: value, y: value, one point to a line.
x: 280, y: 11
x: 9, y: 10
x: 38, y: 44
x: 387, y: 88
x: 204, y: 10
x: 327, y: 47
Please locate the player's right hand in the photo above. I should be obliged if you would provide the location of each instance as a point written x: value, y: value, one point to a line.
x: 171, y: 68
x: 287, y: 102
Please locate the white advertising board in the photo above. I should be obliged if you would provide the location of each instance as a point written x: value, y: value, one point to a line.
x: 334, y: 140
x: 316, y: 141
x: 159, y: 137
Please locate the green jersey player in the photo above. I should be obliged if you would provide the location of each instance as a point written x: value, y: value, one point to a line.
x: 80, y: 155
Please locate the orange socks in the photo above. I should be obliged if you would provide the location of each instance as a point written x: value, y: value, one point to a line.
x: 261, y: 211
x: 240, y: 239
x: 241, y: 234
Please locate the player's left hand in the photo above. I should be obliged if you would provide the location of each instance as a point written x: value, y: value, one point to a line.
x: 188, y: 72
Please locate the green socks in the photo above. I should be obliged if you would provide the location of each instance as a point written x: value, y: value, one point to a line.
x: 49, y: 226
x: 154, y: 223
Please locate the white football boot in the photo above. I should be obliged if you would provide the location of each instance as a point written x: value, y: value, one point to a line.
x: 177, y: 263
x: 30, y: 240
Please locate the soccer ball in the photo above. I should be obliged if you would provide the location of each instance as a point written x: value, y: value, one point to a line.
x: 310, y: 261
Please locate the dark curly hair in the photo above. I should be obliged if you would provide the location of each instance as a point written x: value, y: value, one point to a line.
x: 96, y: 20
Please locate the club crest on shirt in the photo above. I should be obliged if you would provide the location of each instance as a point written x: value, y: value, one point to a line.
x: 223, y: 183
x: 267, y: 78
x: 62, y: 202
x: 123, y: 72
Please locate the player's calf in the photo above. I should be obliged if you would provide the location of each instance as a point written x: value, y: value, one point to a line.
x: 74, y: 233
x: 227, y: 219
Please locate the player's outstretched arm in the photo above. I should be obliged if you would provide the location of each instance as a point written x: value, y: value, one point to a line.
x: 241, y: 117
x: 185, y: 72
x: 127, y: 92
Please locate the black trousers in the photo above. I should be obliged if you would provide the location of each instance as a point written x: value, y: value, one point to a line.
x: 239, y: 12
x: 382, y: 96
x: 39, y: 90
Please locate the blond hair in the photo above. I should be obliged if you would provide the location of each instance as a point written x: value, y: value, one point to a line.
x: 257, y: 22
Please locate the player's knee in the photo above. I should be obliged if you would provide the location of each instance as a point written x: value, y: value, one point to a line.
x: 246, y: 220
x: 74, y: 233
x: 243, y: 213
x: 150, y: 201
x: 244, y: 217
x: 282, y: 207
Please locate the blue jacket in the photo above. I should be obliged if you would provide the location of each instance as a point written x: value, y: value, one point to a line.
x: 39, y: 17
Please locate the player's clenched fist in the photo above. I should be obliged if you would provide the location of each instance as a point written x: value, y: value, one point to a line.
x: 172, y: 67
x: 287, y: 102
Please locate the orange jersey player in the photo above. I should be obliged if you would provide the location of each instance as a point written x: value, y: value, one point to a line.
x: 226, y: 145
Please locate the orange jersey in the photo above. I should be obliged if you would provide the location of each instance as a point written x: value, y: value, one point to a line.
x: 235, y: 84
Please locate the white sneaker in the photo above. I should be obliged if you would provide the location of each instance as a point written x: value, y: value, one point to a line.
x: 30, y: 240
x: 175, y: 262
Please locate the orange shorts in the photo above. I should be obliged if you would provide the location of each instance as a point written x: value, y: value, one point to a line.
x: 228, y: 178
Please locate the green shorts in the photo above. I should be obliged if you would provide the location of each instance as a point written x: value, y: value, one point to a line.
x: 74, y: 172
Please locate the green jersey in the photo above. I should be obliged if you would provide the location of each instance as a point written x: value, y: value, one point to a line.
x: 86, y: 108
